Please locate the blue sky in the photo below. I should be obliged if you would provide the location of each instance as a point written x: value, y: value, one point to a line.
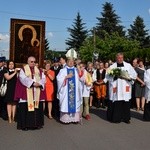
x: 60, y: 14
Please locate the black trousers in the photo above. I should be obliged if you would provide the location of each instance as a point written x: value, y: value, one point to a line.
x: 3, y: 109
x: 146, y: 115
x: 55, y: 109
x: 118, y: 111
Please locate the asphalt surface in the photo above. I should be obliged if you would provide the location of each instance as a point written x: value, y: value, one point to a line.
x: 96, y: 134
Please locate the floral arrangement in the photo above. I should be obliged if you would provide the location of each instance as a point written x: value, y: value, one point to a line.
x: 115, y: 72
x: 118, y: 73
x: 125, y: 75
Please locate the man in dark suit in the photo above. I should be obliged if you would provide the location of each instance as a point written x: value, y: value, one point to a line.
x: 56, y: 68
x: 3, y: 106
x: 62, y: 61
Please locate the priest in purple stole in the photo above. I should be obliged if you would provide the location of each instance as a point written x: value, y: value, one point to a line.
x: 30, y: 94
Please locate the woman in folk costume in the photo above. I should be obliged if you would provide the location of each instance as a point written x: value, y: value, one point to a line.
x: 86, y: 86
x: 120, y: 91
x: 100, y: 89
x: 30, y: 93
x: 69, y: 91
x: 49, y: 87
x: 146, y: 115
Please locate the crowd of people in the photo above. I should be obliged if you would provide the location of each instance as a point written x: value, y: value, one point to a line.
x: 67, y: 88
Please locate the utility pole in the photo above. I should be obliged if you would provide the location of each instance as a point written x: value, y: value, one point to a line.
x: 95, y: 54
x: 93, y: 44
x: 94, y: 37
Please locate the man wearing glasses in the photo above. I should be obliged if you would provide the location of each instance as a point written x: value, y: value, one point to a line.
x: 31, y: 94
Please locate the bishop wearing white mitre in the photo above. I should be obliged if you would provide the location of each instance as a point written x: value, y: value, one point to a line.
x: 70, y: 90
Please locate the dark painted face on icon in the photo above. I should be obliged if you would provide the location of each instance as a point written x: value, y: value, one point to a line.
x: 27, y: 34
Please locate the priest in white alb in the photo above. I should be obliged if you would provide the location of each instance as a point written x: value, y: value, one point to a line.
x: 120, y: 88
x: 146, y: 115
x: 69, y: 91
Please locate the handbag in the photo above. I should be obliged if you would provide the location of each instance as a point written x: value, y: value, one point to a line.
x: 3, y: 87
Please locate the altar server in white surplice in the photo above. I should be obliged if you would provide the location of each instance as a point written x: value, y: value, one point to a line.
x: 120, y: 92
x: 146, y: 115
x: 86, y: 86
x: 69, y: 92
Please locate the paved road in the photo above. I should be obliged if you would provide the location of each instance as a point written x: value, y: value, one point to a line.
x: 96, y: 134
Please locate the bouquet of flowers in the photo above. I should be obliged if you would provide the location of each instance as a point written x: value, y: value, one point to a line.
x: 125, y: 75
x: 115, y: 72
x: 118, y: 73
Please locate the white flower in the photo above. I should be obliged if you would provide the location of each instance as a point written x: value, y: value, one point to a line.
x: 111, y: 72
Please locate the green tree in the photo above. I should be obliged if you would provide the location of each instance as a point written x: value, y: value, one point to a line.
x: 86, y: 50
x: 138, y: 32
x: 108, y: 47
x: 78, y: 33
x: 109, y: 22
x: 47, y: 51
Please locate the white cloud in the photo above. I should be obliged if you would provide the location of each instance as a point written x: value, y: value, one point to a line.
x: 149, y: 11
x: 4, y: 45
x: 4, y: 38
x: 49, y: 34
